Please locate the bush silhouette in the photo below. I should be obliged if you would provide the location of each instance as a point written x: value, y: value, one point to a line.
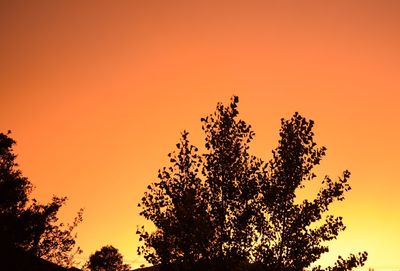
x: 226, y: 209
x: 107, y: 259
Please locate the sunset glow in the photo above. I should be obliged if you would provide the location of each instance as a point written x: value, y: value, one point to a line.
x: 96, y: 94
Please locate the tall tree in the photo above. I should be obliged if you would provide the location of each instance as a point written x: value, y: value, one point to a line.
x: 26, y: 224
x: 107, y: 258
x: 289, y: 239
x: 231, y: 175
x: 242, y: 211
x: 177, y: 207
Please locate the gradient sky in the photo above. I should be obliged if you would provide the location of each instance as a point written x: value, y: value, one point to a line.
x: 97, y: 93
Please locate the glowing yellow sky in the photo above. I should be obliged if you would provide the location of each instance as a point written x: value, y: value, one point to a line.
x: 97, y: 92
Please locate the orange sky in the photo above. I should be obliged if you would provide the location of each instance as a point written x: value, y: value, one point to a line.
x: 97, y: 92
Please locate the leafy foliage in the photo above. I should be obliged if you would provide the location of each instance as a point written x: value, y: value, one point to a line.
x: 231, y: 179
x: 177, y: 206
x: 107, y: 259
x: 26, y: 224
x: 228, y: 210
x: 288, y: 239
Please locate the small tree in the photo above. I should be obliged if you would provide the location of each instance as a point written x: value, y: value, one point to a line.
x: 26, y: 224
x: 242, y: 211
x: 107, y: 259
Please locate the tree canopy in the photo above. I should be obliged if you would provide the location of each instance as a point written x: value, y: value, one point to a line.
x: 229, y: 210
x: 24, y: 223
x: 107, y: 259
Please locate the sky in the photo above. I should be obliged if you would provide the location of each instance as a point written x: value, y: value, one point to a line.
x: 96, y: 94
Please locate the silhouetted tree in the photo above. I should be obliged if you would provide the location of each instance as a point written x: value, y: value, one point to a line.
x: 287, y: 238
x: 242, y: 210
x: 107, y: 259
x: 26, y: 224
x: 231, y: 175
x: 177, y: 205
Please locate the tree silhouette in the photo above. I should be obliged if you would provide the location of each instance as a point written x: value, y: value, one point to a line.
x: 107, y: 259
x: 26, y: 224
x: 177, y: 206
x: 288, y: 240
x: 231, y: 178
x: 228, y: 210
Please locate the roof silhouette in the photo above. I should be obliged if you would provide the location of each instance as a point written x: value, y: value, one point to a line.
x: 12, y: 259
